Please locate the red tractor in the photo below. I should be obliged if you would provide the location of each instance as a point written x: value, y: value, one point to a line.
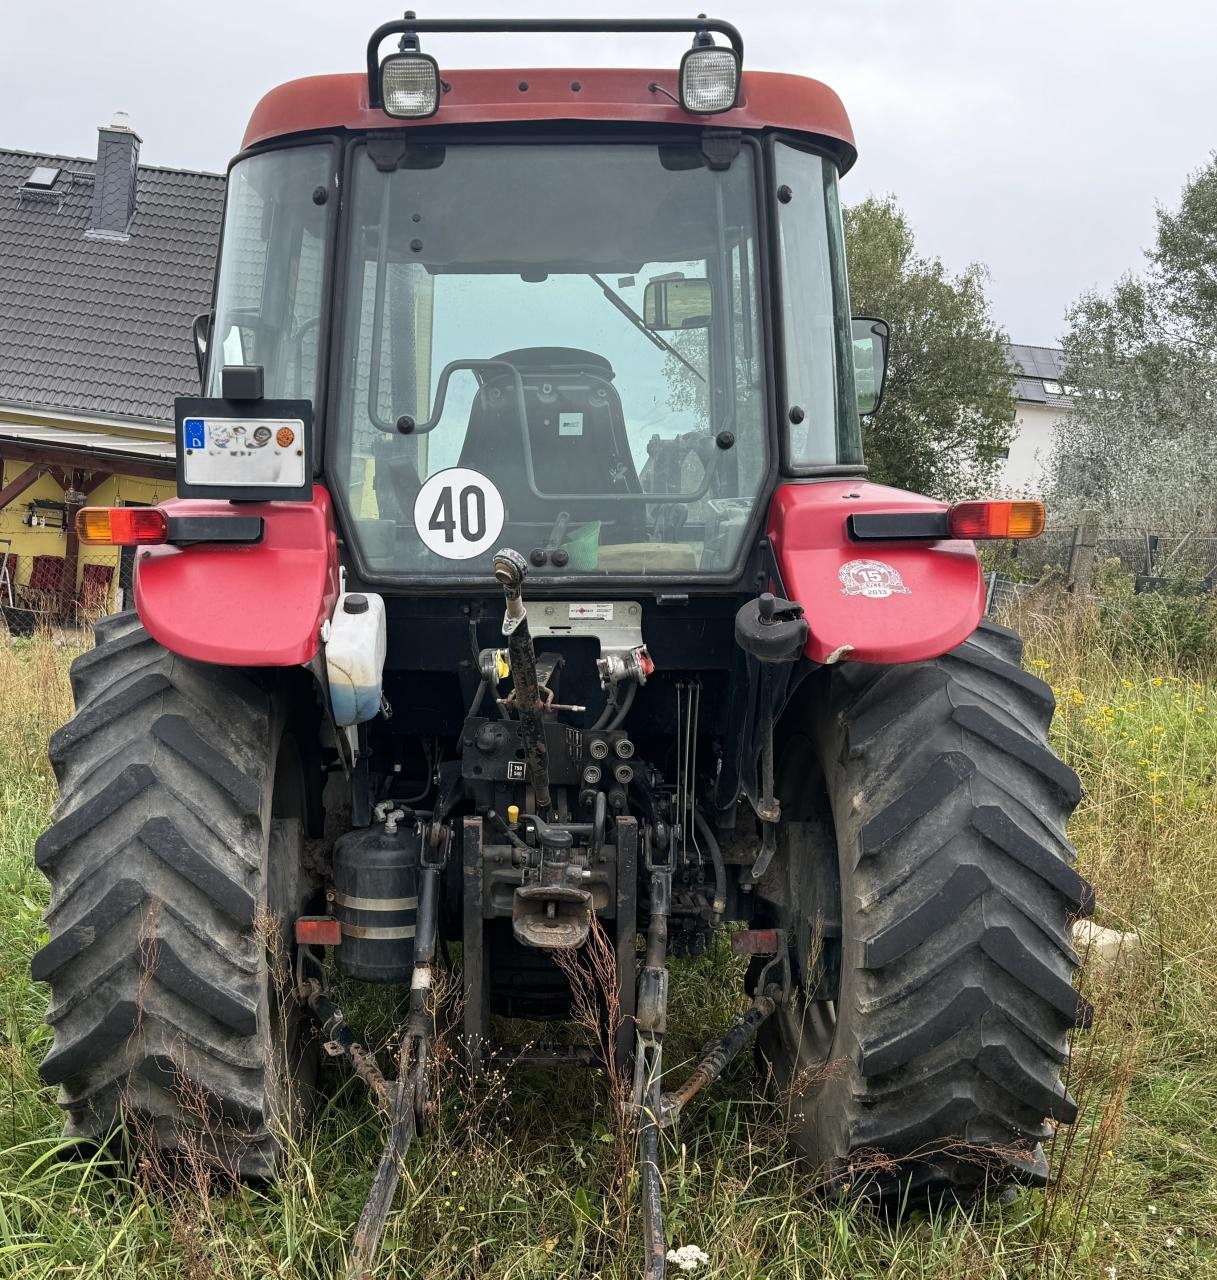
x: 525, y: 581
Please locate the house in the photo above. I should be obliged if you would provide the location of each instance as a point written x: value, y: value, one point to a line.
x: 104, y: 262
x: 1042, y: 399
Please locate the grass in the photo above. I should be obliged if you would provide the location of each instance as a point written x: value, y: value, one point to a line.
x: 521, y: 1178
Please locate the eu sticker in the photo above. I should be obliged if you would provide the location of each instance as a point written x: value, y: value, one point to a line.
x: 194, y: 433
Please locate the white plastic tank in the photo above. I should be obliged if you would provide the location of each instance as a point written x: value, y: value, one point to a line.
x: 355, y: 656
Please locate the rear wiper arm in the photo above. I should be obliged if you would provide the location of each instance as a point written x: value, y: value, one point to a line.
x: 641, y: 325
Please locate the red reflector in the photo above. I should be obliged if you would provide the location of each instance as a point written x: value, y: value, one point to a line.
x: 318, y: 931
x: 121, y: 526
x: 997, y: 520
x: 755, y: 942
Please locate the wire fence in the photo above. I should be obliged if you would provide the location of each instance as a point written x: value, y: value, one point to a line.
x: 1154, y: 558
x: 1074, y: 555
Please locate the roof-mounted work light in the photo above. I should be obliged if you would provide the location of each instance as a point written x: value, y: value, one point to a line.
x: 709, y: 76
x: 409, y: 85
x: 409, y: 79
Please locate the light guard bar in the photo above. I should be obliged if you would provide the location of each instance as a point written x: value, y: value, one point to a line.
x: 525, y: 26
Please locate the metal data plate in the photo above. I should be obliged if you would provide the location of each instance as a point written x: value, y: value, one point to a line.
x: 254, y: 450
x: 617, y: 624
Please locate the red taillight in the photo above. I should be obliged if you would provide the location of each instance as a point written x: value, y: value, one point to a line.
x: 121, y: 526
x: 996, y: 520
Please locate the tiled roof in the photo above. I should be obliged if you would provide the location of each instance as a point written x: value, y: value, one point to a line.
x: 102, y: 327
x: 1032, y: 368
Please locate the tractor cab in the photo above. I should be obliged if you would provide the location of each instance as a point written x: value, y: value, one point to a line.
x: 560, y: 336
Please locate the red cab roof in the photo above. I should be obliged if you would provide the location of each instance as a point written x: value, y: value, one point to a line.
x: 767, y: 100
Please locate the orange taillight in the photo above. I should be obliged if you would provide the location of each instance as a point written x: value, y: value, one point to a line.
x: 121, y: 526
x: 996, y: 520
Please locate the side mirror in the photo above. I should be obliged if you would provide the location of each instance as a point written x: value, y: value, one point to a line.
x: 871, y: 340
x: 201, y: 331
x: 676, y: 303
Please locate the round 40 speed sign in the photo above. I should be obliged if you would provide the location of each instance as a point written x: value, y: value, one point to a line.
x: 458, y: 513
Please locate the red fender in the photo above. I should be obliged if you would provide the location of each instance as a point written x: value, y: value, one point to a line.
x: 255, y: 605
x: 897, y: 601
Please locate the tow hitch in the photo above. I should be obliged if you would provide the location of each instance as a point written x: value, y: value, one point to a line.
x: 653, y: 1108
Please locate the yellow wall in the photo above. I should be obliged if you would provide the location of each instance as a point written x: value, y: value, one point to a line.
x: 27, y: 542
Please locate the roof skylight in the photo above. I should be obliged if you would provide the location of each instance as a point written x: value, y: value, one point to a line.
x: 42, y: 178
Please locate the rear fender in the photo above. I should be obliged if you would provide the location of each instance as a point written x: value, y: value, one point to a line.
x: 872, y: 601
x: 258, y: 604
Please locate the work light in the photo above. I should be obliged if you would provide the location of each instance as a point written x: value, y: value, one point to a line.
x: 409, y: 85
x: 709, y: 79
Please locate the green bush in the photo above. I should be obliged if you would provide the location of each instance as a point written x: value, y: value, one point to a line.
x: 1176, y: 626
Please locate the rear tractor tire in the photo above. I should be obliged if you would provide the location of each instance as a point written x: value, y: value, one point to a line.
x: 175, y: 868
x: 930, y: 918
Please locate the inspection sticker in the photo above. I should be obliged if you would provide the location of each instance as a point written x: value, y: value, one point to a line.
x: 570, y: 424
x: 600, y: 611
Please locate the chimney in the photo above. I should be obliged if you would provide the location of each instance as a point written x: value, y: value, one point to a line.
x: 114, y: 180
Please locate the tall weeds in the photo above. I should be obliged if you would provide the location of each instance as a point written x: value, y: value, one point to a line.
x: 528, y: 1174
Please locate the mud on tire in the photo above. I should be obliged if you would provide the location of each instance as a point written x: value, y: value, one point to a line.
x: 931, y: 923
x: 174, y: 860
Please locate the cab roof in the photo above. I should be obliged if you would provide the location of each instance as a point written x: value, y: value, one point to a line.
x: 767, y: 100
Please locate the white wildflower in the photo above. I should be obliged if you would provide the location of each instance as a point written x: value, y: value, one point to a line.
x: 689, y: 1257
x: 1110, y: 1273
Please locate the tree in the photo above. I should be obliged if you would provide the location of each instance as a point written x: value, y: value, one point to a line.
x: 1142, y: 362
x: 947, y: 415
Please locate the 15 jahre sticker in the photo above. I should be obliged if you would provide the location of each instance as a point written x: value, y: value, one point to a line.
x: 871, y: 578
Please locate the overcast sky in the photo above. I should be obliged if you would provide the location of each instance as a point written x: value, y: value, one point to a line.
x: 1032, y: 135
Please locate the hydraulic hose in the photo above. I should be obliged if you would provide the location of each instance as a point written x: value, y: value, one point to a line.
x: 624, y: 710
x: 607, y: 711
x: 720, y: 871
x: 476, y: 705
x: 613, y: 716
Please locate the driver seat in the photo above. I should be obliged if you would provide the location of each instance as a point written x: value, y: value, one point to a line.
x: 576, y: 435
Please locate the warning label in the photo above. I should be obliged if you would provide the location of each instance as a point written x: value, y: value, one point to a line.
x: 601, y: 611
